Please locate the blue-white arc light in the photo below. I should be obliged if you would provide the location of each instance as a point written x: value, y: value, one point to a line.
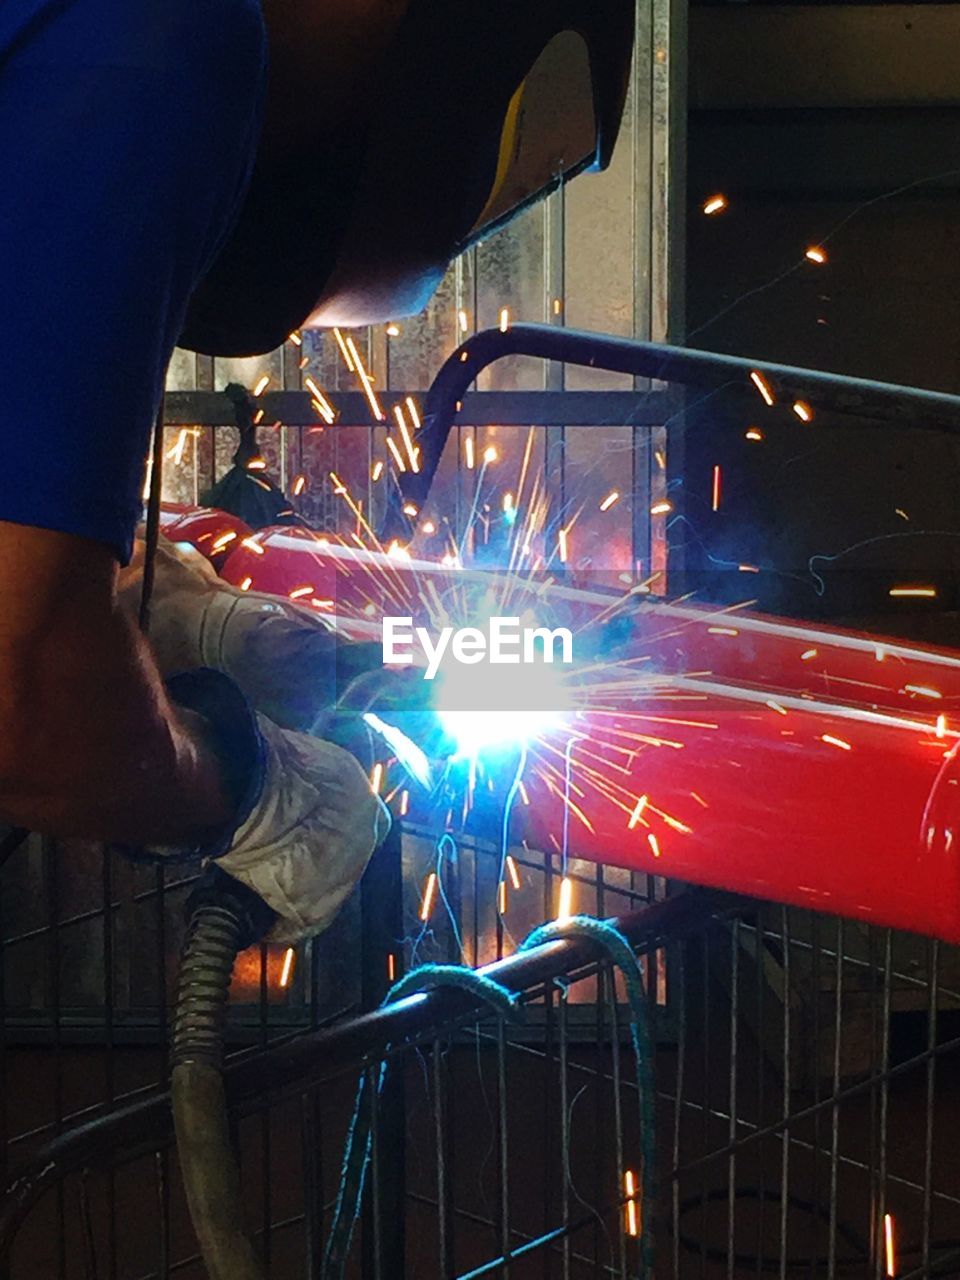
x: 488, y: 710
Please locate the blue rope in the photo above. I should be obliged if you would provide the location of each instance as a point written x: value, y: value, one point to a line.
x: 621, y: 955
x: 356, y: 1156
x: 504, y: 1003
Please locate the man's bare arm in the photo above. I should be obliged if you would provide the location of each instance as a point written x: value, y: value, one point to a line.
x: 89, y: 743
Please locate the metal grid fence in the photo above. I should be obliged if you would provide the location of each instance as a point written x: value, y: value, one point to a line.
x: 805, y: 1070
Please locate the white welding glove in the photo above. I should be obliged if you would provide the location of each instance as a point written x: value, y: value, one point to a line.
x: 305, y: 819
x: 309, y: 838
x: 285, y: 657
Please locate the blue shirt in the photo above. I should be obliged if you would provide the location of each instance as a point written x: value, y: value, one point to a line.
x: 127, y: 135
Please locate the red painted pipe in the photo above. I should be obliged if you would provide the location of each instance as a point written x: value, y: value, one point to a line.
x: 803, y: 764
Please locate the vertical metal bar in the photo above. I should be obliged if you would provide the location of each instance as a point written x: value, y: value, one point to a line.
x: 381, y: 932
x: 761, y: 1117
x: 732, y: 1090
x: 445, y: 1202
x: 311, y: 1147
x: 51, y: 882
x: 600, y: 1194
x: 679, y: 986
x: 373, y: 1250
x: 835, y: 1109
x: 503, y: 1147
x: 162, y: 1172
x: 875, y: 1037
x: 884, y: 1098
x: 785, y: 1112
x: 549, y: 1104
x: 705, y: 1113
x: 933, y: 979
x: 266, y: 1185
x: 108, y: 1040
x: 616, y: 1085
x: 162, y: 1157
x: 564, y: 1135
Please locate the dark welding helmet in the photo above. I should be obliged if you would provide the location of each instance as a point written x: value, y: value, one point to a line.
x: 473, y: 110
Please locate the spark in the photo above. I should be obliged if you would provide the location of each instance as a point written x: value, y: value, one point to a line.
x: 760, y: 382
x: 502, y: 897
x: 722, y: 631
x: 508, y: 502
x: 429, y: 893
x: 637, y: 813
x: 524, y: 794
x: 916, y: 593
x: 716, y: 204
x: 816, y: 254
x: 901, y: 513
x: 464, y: 357
x: 344, y: 351
x: 469, y: 452
x: 630, y: 1186
x: 407, y: 440
x: 609, y: 500
x: 257, y: 464
x: 286, y: 973
x: 410, y: 510
x: 397, y: 455
x: 393, y: 331
x: 252, y: 545
x: 716, y: 487
x: 321, y: 403
x: 366, y: 382
x: 299, y: 485
x: 246, y: 584
x: 654, y: 844
x: 803, y: 410
x: 922, y: 690
x: 513, y: 871
x: 775, y: 706
x: 490, y: 455
x: 428, y: 527
x: 376, y: 778
x: 224, y: 540
x: 660, y: 508
x: 258, y: 417
x: 562, y: 545
x: 753, y: 433
x: 414, y: 412
x: 404, y: 803
x: 831, y: 741
x: 808, y: 654
x: 377, y: 471
x: 748, y: 568
x: 262, y: 385
x: 391, y: 967
x: 296, y: 339
x: 890, y: 1245
x: 941, y: 725
x: 565, y: 908
x: 504, y: 319
x: 299, y: 592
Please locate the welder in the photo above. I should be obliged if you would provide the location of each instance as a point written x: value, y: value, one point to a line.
x: 161, y: 186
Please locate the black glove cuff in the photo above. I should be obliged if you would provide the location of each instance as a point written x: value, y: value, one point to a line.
x: 232, y: 733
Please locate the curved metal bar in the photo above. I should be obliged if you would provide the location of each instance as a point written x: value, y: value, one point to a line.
x: 147, y: 1123
x: 883, y: 401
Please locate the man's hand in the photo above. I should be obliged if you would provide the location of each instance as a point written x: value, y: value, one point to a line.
x: 90, y: 743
